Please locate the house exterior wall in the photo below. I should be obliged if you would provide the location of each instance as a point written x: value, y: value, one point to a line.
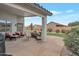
x: 60, y: 28
x: 12, y: 18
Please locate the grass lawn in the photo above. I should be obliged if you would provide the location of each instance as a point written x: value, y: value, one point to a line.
x: 57, y: 34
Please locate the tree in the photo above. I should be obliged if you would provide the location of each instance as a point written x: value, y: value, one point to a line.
x: 74, y: 23
x: 31, y: 26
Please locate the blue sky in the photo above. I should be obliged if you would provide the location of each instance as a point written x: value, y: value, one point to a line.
x: 63, y: 13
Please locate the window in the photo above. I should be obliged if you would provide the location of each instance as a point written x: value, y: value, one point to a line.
x: 5, y: 25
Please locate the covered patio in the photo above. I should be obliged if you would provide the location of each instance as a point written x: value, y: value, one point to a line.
x: 15, y: 13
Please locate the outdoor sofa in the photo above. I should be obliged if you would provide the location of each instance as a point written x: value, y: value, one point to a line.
x: 15, y: 35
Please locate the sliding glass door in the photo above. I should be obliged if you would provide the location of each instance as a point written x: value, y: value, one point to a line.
x: 5, y: 26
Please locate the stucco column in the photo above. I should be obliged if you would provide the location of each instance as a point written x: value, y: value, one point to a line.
x: 44, y: 32
x: 20, y: 21
x: 23, y: 25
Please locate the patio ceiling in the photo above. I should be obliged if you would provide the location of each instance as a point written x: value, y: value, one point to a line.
x: 14, y: 11
x: 24, y: 9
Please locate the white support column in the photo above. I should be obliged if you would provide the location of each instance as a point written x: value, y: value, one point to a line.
x: 23, y: 24
x: 44, y: 32
x: 21, y: 21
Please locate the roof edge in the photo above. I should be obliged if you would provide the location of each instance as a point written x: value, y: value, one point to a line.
x: 48, y: 12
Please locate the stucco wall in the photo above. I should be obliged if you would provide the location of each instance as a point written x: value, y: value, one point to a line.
x: 20, y: 19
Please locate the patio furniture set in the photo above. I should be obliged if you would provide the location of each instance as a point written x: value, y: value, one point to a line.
x: 14, y: 36
x: 11, y: 36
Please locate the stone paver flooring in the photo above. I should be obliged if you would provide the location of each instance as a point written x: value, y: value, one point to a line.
x: 32, y: 47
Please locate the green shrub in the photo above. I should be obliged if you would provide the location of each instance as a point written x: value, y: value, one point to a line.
x: 57, y: 31
x: 49, y: 30
x: 72, y: 40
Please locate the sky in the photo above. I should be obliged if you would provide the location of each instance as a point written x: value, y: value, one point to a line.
x: 63, y: 13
